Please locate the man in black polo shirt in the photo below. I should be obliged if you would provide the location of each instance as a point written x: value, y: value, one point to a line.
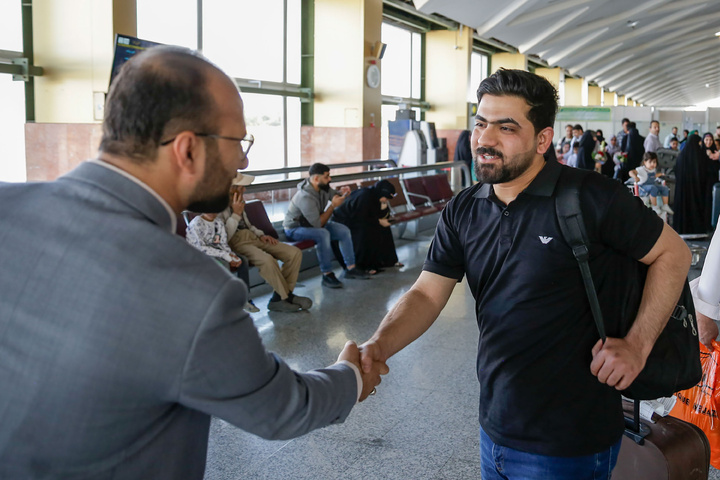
x: 549, y: 389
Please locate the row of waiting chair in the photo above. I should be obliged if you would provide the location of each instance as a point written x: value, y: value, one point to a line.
x: 416, y: 197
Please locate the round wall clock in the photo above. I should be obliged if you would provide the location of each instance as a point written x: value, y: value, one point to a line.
x: 373, y: 76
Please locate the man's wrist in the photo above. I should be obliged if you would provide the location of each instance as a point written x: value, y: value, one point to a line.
x: 358, y: 377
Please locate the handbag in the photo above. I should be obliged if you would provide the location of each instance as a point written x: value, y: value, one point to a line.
x: 674, y: 362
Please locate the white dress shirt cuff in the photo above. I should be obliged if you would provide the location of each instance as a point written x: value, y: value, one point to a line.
x: 358, y: 377
x: 707, y: 309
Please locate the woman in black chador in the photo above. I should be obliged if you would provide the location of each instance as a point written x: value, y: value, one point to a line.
x: 690, y: 174
x: 634, y: 149
x: 366, y: 214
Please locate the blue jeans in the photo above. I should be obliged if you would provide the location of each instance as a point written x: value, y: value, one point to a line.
x: 654, y: 190
x: 322, y: 238
x: 503, y: 463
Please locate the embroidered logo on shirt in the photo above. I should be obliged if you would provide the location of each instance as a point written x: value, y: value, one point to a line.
x: 545, y: 240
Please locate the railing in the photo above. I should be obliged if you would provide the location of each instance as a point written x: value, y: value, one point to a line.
x: 385, y: 172
x: 304, y: 168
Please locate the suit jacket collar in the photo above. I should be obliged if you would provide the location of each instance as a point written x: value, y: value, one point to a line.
x: 126, y: 189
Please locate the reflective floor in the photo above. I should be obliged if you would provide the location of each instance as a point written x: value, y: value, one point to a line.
x: 422, y: 424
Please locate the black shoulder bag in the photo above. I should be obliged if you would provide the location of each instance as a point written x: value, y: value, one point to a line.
x: 674, y: 362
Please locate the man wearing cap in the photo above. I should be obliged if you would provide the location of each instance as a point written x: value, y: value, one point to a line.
x: 366, y: 214
x: 263, y: 251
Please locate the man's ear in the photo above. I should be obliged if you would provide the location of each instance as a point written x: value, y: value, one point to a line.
x: 188, y: 154
x: 544, y: 139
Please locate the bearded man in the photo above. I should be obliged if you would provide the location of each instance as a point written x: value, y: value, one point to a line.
x: 550, y: 404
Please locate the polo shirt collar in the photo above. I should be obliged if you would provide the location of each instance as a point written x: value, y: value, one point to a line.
x: 543, y: 184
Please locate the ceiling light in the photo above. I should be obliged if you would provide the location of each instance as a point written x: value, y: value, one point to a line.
x: 707, y: 85
x: 717, y: 34
x: 632, y: 23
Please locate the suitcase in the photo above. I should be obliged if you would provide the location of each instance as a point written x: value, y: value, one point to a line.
x: 670, y: 449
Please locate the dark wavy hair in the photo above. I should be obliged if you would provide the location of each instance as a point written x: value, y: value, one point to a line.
x: 318, y: 169
x: 157, y: 94
x: 537, y: 91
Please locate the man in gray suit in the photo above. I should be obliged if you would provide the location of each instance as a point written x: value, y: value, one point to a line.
x: 118, y: 340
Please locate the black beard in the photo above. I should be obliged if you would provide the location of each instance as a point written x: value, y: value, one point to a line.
x: 324, y: 187
x: 503, y: 173
x: 214, y: 176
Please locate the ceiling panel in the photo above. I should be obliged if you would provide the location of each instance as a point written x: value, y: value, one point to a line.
x: 630, y: 46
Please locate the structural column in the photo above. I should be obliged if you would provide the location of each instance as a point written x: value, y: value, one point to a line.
x: 346, y: 108
x: 595, y: 95
x: 622, y: 101
x: 575, y: 91
x: 74, y: 43
x: 447, y: 77
x: 510, y: 61
x: 556, y: 76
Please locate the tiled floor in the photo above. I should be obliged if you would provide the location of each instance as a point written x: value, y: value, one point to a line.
x: 422, y: 424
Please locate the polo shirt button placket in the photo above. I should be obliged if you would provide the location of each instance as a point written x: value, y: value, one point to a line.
x: 505, y: 229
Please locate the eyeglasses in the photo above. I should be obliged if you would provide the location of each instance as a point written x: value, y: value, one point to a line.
x: 245, y: 143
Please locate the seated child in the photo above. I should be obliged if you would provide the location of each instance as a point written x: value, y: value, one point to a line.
x: 645, y: 176
x: 207, y: 233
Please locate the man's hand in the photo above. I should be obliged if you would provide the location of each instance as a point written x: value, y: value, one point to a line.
x: 616, y: 363
x: 338, y: 200
x: 371, y: 375
x: 371, y: 354
x: 269, y: 239
x: 707, y: 330
x: 384, y: 222
x: 238, y: 204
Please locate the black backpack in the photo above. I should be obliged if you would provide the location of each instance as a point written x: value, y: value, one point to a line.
x: 674, y: 362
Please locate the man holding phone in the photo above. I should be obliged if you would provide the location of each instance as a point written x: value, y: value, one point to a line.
x: 308, y: 218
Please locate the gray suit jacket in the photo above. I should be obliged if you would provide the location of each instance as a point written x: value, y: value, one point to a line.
x: 118, y: 340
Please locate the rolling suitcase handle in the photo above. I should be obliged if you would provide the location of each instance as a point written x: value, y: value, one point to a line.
x: 633, y: 428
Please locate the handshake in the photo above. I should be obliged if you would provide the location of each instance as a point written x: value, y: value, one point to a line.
x: 367, y: 359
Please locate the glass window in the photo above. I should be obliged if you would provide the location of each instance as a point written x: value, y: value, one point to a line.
x: 169, y: 23
x: 12, y: 129
x: 264, y: 119
x: 11, y: 26
x: 397, y: 62
x: 478, y: 72
x: 294, y: 129
x: 416, y: 70
x: 245, y: 37
x: 294, y: 41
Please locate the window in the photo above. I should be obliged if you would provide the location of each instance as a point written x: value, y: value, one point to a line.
x: 401, y: 63
x: 181, y: 30
x: 478, y: 73
x: 12, y: 99
x: 243, y: 37
x: 11, y: 26
x: 253, y: 42
x: 401, y: 70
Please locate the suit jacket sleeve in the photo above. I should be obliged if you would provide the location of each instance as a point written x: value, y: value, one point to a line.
x: 230, y: 374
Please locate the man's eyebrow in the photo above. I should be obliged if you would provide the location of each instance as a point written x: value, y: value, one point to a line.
x: 497, y: 122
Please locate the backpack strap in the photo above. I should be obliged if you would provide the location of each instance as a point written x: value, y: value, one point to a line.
x: 572, y: 226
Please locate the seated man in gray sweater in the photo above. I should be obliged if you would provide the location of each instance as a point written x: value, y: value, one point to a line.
x: 308, y: 218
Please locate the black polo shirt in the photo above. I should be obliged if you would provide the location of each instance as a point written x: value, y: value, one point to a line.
x: 536, y: 332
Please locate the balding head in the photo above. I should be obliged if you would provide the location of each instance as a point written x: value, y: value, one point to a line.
x: 157, y: 94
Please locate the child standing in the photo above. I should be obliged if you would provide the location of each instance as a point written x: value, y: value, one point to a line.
x: 645, y: 176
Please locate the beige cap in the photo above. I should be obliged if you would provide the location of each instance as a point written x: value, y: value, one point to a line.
x: 243, y: 180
